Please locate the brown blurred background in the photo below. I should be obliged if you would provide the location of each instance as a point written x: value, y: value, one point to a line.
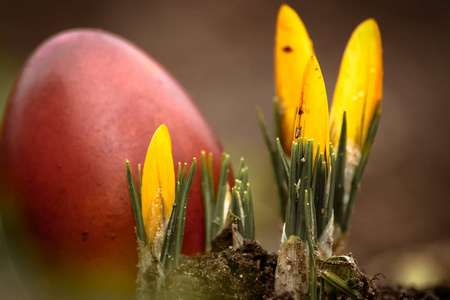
x: 222, y: 53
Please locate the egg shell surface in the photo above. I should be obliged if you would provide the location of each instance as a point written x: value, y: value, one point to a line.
x: 85, y: 101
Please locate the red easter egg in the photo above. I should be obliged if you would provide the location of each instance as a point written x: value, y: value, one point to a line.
x: 85, y: 101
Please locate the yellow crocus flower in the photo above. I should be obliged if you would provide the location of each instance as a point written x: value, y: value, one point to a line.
x: 158, y: 183
x: 359, y: 86
x: 311, y: 120
x: 293, y: 49
x: 301, y: 91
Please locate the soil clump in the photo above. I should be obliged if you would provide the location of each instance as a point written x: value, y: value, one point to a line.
x: 247, y: 272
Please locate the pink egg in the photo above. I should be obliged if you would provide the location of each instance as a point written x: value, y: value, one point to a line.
x: 85, y: 101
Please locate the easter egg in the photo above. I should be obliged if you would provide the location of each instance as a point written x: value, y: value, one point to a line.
x: 85, y: 101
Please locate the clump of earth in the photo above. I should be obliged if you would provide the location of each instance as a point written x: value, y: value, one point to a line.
x: 246, y: 272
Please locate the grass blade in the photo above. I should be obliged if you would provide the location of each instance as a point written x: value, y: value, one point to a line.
x: 140, y: 182
x: 173, y: 240
x: 339, y: 208
x: 136, y: 203
x: 282, y: 185
x: 208, y: 201
x: 221, y: 194
x: 362, y: 164
x: 339, y: 284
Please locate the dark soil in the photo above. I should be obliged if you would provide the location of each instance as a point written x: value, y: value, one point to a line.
x: 247, y: 272
x: 397, y: 292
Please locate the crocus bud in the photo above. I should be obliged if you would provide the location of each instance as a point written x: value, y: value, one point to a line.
x: 359, y: 86
x: 311, y: 121
x: 293, y: 49
x: 158, y: 183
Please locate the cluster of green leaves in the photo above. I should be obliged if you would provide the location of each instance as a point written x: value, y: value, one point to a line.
x: 214, y: 206
x: 310, y: 205
x: 312, y: 193
x: 241, y: 206
x: 343, y: 211
x: 174, y: 232
x: 274, y: 158
x: 327, y: 181
x: 135, y: 195
x: 293, y: 182
x: 303, y: 178
x: 173, y: 239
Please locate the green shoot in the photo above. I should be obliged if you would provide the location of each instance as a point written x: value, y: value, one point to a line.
x: 173, y: 239
x: 136, y: 203
x: 242, y: 204
x: 277, y: 163
x: 218, y: 217
x: 339, y: 210
x: 362, y: 164
x: 208, y: 198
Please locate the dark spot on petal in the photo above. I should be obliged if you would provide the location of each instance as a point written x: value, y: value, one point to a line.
x: 300, y: 112
x: 287, y: 49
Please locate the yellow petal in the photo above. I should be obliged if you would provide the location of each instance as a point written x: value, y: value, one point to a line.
x: 359, y: 86
x: 158, y: 182
x: 311, y: 121
x: 293, y: 48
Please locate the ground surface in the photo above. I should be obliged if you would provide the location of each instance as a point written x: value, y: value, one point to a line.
x: 248, y: 272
